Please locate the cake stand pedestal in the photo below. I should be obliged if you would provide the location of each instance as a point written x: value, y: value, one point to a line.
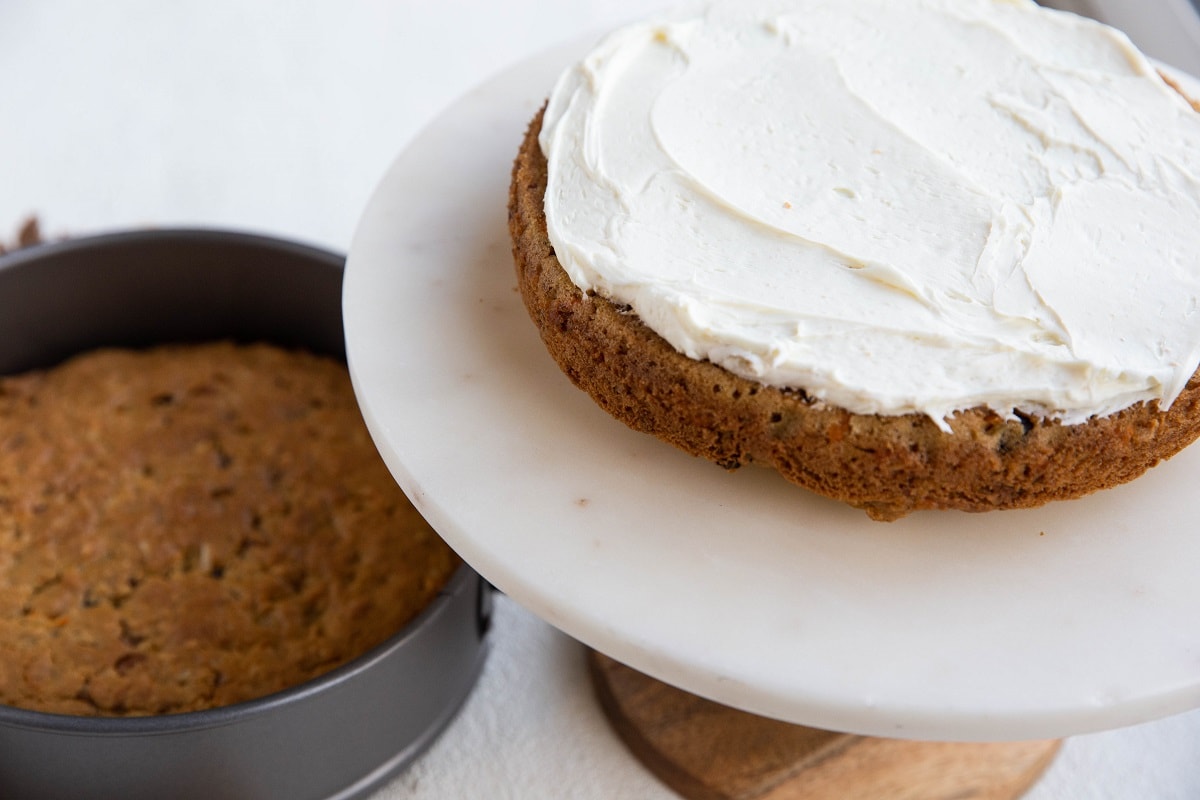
x: 707, y: 751
x: 739, y: 587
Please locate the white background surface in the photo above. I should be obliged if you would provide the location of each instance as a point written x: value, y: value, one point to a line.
x: 280, y: 118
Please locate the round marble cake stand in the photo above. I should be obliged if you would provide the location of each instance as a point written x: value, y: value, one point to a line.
x: 737, y: 587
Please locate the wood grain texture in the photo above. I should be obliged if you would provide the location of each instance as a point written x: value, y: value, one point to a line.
x: 707, y: 751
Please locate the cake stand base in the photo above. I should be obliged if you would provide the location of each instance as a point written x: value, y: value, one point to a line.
x: 707, y: 751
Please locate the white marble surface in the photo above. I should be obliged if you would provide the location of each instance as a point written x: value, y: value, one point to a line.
x: 281, y: 117
x: 1071, y: 618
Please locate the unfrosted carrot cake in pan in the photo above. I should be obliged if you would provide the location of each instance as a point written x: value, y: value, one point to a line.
x: 191, y: 526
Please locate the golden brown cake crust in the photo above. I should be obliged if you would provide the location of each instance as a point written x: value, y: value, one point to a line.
x: 193, y: 526
x: 886, y: 465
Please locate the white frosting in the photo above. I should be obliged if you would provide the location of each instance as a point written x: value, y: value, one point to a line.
x: 896, y: 205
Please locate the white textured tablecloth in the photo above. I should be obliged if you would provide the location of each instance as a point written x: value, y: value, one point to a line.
x: 280, y: 117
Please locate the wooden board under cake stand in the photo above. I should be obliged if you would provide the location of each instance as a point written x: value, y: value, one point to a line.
x: 708, y: 751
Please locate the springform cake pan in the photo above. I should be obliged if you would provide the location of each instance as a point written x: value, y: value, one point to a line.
x: 340, y: 735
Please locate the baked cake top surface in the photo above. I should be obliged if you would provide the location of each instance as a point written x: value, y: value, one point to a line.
x: 192, y: 526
